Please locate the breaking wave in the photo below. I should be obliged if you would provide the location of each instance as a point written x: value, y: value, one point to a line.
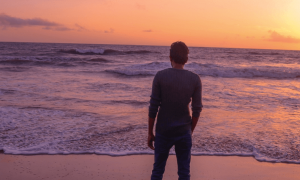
x: 150, y: 69
x: 99, y: 60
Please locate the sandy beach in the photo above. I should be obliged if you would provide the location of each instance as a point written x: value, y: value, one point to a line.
x: 92, y: 167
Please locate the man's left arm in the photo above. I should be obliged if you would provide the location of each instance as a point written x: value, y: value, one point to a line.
x: 196, y: 103
x: 153, y: 109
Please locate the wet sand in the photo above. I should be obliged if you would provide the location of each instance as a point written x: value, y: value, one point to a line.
x: 138, y: 167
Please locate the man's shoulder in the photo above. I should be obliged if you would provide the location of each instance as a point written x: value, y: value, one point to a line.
x: 171, y: 70
x: 193, y: 73
x: 164, y: 71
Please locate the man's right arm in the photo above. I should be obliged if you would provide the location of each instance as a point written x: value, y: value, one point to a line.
x: 194, y: 123
x: 151, y: 137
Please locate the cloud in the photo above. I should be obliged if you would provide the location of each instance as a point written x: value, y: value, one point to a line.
x: 80, y: 28
x: 60, y: 28
x: 148, y: 30
x: 250, y: 37
x: 63, y: 28
x: 276, y: 37
x: 139, y: 6
x: 111, y: 30
x: 9, y: 21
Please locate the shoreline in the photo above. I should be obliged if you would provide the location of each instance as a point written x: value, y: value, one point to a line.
x: 91, y: 166
x: 264, y: 160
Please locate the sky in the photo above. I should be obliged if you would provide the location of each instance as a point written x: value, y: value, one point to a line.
x: 259, y: 24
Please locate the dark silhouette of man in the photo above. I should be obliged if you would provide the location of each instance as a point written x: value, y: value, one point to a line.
x: 172, y: 91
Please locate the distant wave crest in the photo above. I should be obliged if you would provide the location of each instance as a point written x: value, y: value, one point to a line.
x: 49, y: 61
x: 102, y: 51
x: 25, y: 61
x: 261, y: 53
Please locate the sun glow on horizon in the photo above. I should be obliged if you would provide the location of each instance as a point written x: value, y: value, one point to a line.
x: 292, y: 17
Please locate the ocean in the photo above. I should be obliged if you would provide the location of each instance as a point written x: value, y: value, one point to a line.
x: 89, y: 98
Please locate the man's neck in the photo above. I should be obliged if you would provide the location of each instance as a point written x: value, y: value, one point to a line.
x: 176, y: 65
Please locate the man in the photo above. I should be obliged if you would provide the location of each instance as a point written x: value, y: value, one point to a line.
x: 172, y: 91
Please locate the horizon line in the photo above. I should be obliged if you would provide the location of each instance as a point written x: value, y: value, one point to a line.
x: 150, y: 45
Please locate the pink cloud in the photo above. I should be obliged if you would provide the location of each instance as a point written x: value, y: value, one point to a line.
x: 7, y: 21
x: 139, y: 6
x: 111, y: 30
x: 80, y: 28
x: 276, y: 37
x: 148, y: 30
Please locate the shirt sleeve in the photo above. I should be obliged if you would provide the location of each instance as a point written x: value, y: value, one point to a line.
x: 197, y: 99
x: 155, y: 97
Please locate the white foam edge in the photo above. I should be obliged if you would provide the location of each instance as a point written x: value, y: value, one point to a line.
x: 255, y: 155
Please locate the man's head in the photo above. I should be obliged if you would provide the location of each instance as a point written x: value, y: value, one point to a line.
x: 179, y: 52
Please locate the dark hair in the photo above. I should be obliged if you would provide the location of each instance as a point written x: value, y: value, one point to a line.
x: 179, y: 52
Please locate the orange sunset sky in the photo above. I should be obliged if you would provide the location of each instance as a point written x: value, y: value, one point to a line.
x: 266, y: 24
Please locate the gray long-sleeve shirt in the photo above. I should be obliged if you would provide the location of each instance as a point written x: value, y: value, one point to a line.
x: 172, y: 91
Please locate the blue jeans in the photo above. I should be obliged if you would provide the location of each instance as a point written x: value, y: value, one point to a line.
x: 183, y: 145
